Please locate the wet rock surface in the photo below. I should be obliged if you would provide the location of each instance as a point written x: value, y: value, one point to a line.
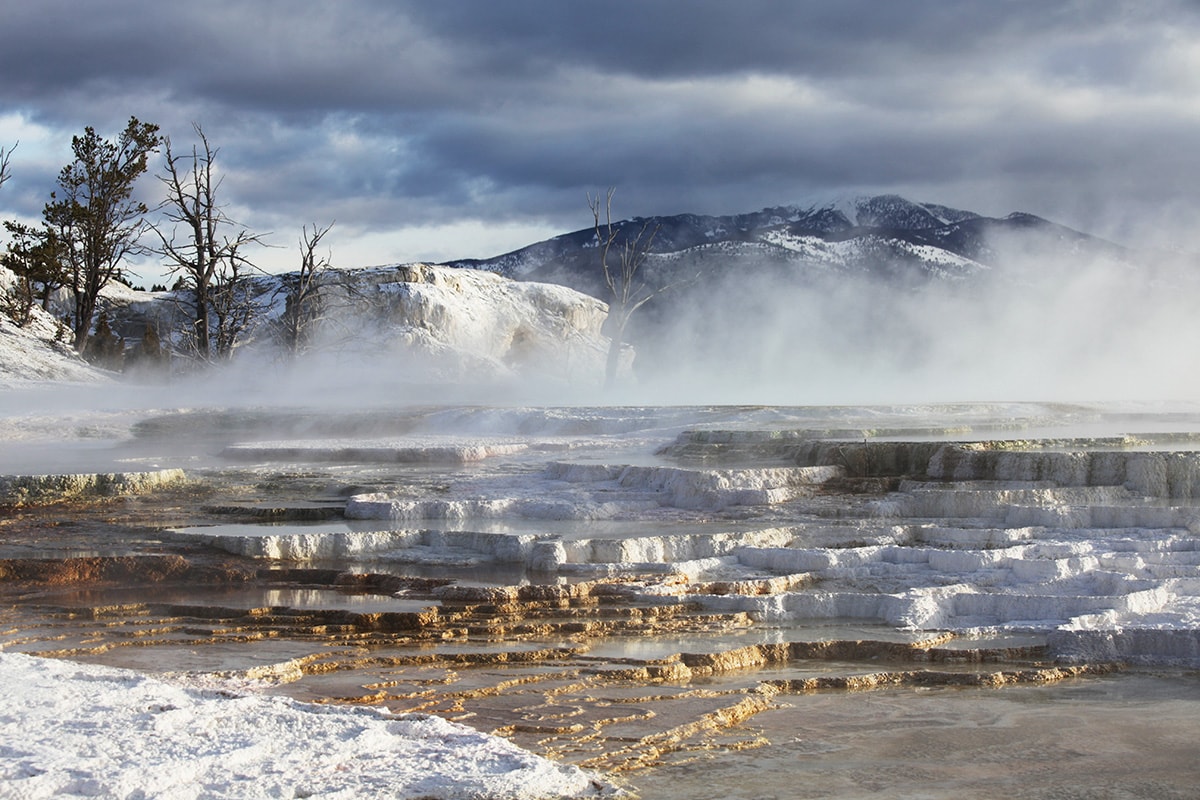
x: 649, y: 602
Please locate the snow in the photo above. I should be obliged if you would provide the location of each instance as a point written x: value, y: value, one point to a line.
x: 1095, y: 550
x: 455, y: 324
x: 844, y: 254
x: 31, y: 355
x: 71, y: 729
x: 473, y: 324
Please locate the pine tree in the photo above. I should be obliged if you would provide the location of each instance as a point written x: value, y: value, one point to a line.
x: 94, y: 215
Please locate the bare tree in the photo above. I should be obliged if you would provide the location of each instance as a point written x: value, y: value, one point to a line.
x: 203, y: 254
x: 302, y: 308
x: 5, y: 155
x: 627, y: 290
x: 234, y: 304
x: 96, y: 219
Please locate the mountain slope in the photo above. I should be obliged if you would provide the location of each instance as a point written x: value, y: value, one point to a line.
x: 852, y: 298
x: 885, y: 236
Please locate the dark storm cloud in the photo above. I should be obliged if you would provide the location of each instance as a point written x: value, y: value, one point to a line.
x: 713, y: 37
x: 387, y: 115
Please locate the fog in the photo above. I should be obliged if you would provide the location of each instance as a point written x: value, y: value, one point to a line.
x: 1037, y: 328
x: 1041, y: 326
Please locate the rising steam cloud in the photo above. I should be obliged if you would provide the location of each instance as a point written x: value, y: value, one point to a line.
x: 1037, y: 328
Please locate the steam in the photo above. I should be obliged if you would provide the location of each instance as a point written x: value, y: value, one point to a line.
x: 1039, y: 328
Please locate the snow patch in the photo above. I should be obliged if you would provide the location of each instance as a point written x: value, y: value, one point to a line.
x: 34, y: 354
x: 86, y: 730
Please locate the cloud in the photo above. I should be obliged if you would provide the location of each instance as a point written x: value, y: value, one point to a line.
x: 388, y: 116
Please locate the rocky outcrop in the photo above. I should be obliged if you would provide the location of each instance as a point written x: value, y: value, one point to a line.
x: 1169, y: 470
x: 1166, y: 474
x: 711, y: 489
x: 437, y: 323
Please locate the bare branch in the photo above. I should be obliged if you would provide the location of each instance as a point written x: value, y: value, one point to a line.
x: 302, y: 293
x: 5, y: 155
x: 627, y: 290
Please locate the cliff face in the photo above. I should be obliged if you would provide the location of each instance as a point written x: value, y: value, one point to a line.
x: 475, y: 320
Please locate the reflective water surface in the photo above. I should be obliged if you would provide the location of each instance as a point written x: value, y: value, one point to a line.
x: 1123, y: 737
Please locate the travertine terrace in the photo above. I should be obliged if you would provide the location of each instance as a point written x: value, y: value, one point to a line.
x: 621, y: 588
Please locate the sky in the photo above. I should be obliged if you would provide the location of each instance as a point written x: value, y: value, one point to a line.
x: 468, y: 128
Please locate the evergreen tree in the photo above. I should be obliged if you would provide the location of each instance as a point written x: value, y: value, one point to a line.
x: 105, y: 349
x: 149, y: 356
x: 94, y: 215
x: 35, y: 256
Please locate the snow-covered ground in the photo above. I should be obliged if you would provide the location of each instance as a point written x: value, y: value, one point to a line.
x: 36, y: 353
x: 397, y: 324
x: 77, y: 730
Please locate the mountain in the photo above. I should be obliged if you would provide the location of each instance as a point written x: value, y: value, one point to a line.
x: 885, y: 237
x: 839, y: 296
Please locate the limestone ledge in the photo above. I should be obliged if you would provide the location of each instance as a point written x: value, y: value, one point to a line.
x: 32, y: 489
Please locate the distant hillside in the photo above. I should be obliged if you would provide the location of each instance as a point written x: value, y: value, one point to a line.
x: 853, y: 298
x: 882, y: 237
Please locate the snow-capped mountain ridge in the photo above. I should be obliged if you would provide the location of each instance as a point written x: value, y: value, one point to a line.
x: 885, y: 229
x: 834, y: 273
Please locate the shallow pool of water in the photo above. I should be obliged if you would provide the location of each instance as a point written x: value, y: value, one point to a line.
x: 1123, y: 737
x: 238, y: 597
x: 186, y: 657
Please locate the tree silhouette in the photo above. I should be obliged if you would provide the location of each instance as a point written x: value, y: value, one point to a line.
x: 203, y: 255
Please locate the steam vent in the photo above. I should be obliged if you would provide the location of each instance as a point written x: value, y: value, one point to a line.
x: 629, y: 590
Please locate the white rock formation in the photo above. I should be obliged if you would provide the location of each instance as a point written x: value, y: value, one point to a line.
x: 19, y: 489
x: 469, y: 320
x: 422, y: 321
